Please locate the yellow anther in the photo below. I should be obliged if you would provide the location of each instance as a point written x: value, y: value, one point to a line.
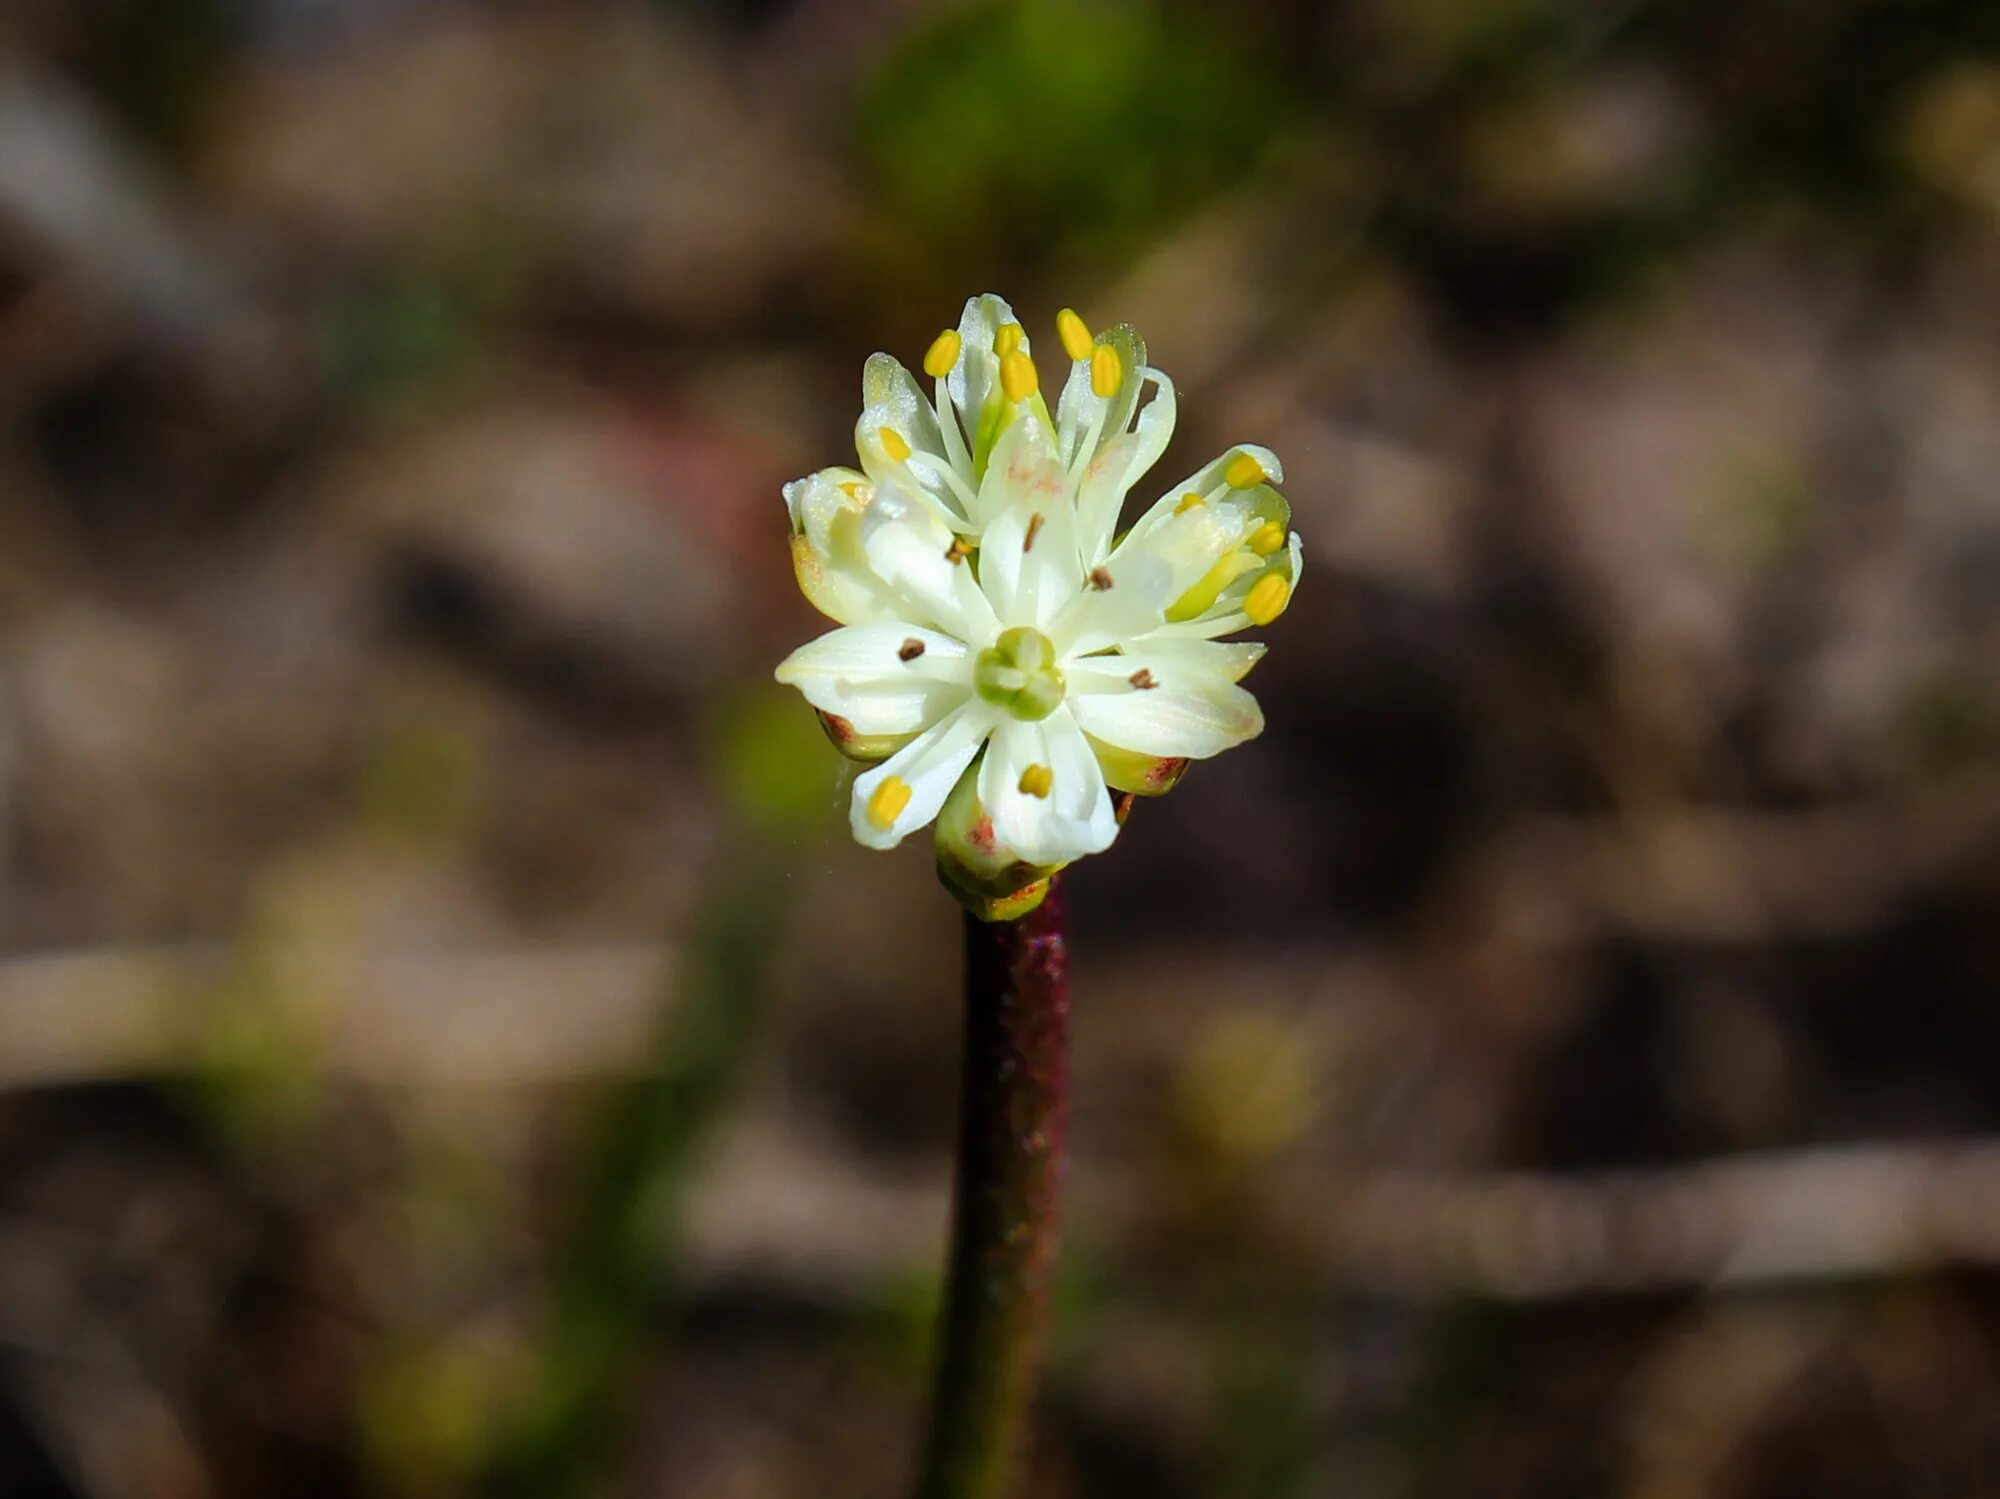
x: 941, y: 355
x: 852, y: 489
x: 1266, y: 599
x: 1008, y: 339
x: 1197, y: 600
x: 1243, y: 471
x: 1074, y: 335
x: 1037, y: 780
x: 887, y: 800
x: 895, y: 444
x: 1106, y: 373
x: 1188, y: 502
x: 1017, y: 375
x: 1267, y: 538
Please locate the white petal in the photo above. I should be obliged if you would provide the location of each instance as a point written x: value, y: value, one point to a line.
x: 859, y: 674
x: 1078, y: 790
x: 1027, y: 554
x: 1119, y: 465
x: 1205, y: 481
x: 1169, y: 658
x: 1074, y: 819
x: 930, y: 766
x: 1188, y: 711
x: 1147, y: 574
x: 910, y: 551
x: 826, y: 546
x: 975, y: 380
x: 919, y: 477
x: 1080, y: 407
x: 890, y: 389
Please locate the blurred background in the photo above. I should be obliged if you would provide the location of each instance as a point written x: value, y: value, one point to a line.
x: 449, y: 1044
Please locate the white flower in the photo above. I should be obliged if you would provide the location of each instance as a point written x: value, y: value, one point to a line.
x: 994, y: 636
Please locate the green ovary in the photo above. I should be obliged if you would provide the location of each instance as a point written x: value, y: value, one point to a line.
x: 1018, y: 672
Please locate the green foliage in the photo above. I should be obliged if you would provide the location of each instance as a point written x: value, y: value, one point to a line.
x: 1031, y: 126
x: 768, y: 761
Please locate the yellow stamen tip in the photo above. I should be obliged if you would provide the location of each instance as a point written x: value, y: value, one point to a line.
x: 941, y: 355
x: 1106, y: 373
x: 1188, y: 502
x: 895, y: 444
x: 1267, y: 538
x: 1074, y: 334
x: 1243, y: 471
x: 1037, y: 780
x: 887, y: 800
x: 1266, y: 599
x: 1008, y: 339
x: 1017, y: 375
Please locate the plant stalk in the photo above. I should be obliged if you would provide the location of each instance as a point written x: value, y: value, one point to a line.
x: 1013, y: 1119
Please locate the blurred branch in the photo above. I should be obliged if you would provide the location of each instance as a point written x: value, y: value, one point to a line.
x: 1784, y: 1218
x: 1739, y: 876
x: 476, y: 1016
x: 1818, y: 1214
x: 87, y: 203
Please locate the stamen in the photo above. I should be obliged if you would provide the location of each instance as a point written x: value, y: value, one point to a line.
x: 1203, y: 594
x: 1266, y: 599
x: 947, y: 412
x: 1038, y: 781
x: 910, y: 649
x: 895, y: 444
x: 1267, y: 538
x: 1188, y: 502
x: 942, y: 354
x: 852, y: 489
x: 1008, y: 339
x: 1244, y: 470
x: 1017, y: 375
x: 1074, y: 334
x: 958, y: 551
x: 1034, y: 530
x: 1143, y: 679
x: 886, y: 802
x: 1106, y: 373
x: 1100, y: 579
x: 1086, y: 447
x: 950, y: 475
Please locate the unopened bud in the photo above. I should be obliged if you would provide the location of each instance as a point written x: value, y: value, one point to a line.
x: 989, y: 879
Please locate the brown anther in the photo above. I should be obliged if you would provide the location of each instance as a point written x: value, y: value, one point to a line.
x: 910, y: 649
x: 958, y: 551
x: 1034, y: 530
x: 1143, y: 680
x: 1100, y: 579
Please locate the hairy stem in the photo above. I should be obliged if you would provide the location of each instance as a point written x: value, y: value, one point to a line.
x: 1013, y: 1115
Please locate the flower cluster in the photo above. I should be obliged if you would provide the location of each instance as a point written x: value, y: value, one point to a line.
x: 1006, y: 660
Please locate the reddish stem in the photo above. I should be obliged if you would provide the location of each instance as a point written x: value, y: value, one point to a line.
x: 1013, y: 1117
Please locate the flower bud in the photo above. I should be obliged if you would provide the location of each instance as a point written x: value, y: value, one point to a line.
x: 867, y: 749
x: 989, y: 879
x: 1129, y: 770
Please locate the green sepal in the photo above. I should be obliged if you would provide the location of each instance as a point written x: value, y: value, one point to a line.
x: 866, y: 749
x: 989, y: 879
